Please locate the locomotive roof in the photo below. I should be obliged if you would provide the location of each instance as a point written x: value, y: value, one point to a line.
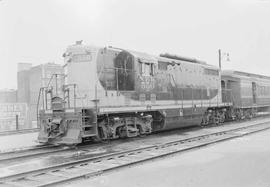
x: 240, y: 74
x: 154, y: 59
x: 182, y: 58
x: 169, y: 60
x: 79, y: 49
x: 143, y: 57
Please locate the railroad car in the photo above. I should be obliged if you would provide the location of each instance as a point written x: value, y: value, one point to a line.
x: 251, y: 92
x: 115, y: 93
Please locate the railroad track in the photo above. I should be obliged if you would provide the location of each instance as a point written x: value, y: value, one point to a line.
x: 29, y: 152
x: 89, y: 167
x: 8, y: 156
x: 21, y: 131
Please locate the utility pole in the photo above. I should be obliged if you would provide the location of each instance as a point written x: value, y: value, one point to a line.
x: 219, y: 58
x: 17, y: 122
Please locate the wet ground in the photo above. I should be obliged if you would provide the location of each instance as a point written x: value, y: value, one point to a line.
x: 15, y: 141
x: 242, y: 161
x: 92, y: 150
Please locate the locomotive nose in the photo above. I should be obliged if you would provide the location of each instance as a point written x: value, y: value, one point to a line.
x: 52, y: 129
x: 53, y: 125
x: 55, y: 121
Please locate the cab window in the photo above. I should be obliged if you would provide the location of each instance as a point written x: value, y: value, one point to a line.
x: 146, y: 69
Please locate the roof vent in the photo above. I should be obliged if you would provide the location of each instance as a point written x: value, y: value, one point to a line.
x: 79, y: 42
x: 177, y: 57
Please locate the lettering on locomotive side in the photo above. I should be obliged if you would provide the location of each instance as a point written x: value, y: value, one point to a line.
x: 147, y: 83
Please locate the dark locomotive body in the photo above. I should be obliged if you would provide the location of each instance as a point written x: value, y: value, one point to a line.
x: 113, y: 93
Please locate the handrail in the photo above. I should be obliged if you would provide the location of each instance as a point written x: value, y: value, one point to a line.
x: 42, y: 88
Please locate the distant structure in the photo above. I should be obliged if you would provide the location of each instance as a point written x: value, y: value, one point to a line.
x: 30, y: 79
x: 24, y: 66
x: 8, y: 96
x: 18, y: 108
x: 23, y: 94
x: 13, y: 115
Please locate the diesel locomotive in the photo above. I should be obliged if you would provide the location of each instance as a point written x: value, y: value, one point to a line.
x: 114, y: 93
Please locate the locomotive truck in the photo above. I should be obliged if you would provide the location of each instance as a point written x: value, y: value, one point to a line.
x: 114, y: 93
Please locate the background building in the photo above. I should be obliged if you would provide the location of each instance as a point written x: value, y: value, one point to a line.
x: 18, y: 108
x: 31, y: 79
x: 13, y: 116
x: 8, y: 96
x: 23, y: 94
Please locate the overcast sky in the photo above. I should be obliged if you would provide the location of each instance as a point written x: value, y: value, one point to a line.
x: 38, y: 31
